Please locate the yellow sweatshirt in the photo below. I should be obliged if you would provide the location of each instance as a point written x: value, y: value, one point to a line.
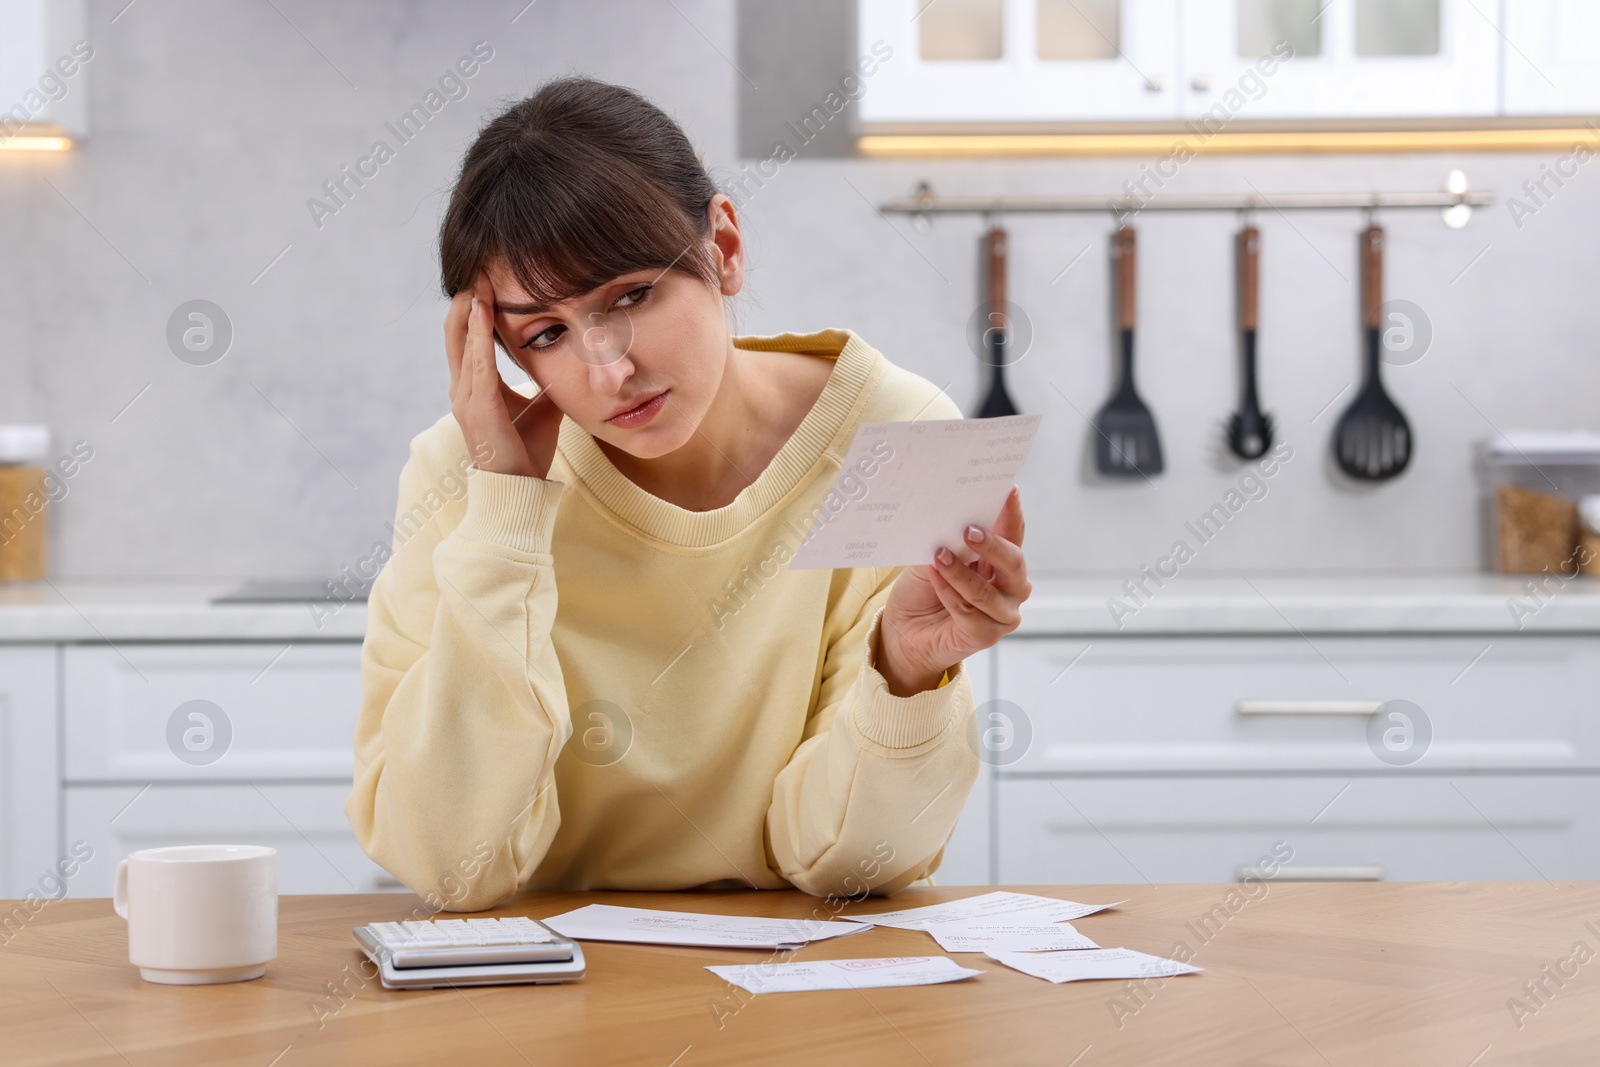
x: 569, y: 683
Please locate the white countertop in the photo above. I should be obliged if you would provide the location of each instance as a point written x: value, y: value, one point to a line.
x: 69, y: 610
x: 1281, y: 603
x: 75, y: 610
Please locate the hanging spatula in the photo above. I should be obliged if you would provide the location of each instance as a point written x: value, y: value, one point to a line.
x: 997, y: 326
x: 1373, y: 440
x: 1126, y: 443
x: 1250, y: 429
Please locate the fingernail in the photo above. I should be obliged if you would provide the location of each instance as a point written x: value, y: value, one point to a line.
x: 946, y: 556
x: 474, y: 305
x: 975, y: 534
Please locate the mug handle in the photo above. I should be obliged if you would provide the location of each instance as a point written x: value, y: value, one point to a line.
x: 119, y: 894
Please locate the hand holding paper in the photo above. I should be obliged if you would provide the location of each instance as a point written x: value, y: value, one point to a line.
x: 924, y: 495
x: 905, y: 488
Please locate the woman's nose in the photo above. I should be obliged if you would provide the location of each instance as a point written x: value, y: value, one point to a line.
x: 606, y: 377
x: 604, y: 345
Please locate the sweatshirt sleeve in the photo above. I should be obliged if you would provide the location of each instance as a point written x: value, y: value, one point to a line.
x: 463, y: 705
x: 873, y: 792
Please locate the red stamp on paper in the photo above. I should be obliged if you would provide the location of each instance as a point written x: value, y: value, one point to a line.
x: 867, y: 965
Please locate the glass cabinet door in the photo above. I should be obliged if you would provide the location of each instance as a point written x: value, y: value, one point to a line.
x: 1346, y: 59
x: 963, y: 63
x: 1019, y: 61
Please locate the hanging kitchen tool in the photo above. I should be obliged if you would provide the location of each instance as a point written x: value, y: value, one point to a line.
x: 997, y: 326
x: 1373, y: 440
x: 1249, y: 430
x: 1126, y: 442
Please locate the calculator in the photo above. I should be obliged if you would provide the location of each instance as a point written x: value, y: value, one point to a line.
x: 455, y: 952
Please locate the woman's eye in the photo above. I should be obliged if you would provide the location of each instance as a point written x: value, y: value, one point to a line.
x: 547, y: 337
x: 544, y: 338
x: 634, y: 297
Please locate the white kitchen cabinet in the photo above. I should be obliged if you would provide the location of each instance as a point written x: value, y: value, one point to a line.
x: 45, y: 58
x: 1351, y: 59
x: 1553, y: 64
x: 1173, y: 704
x: 1069, y: 831
x: 1020, y: 85
x: 229, y: 711
x: 317, y: 853
x: 1181, y: 59
x: 1178, y: 745
x: 1184, y: 758
x: 28, y: 811
x: 968, y: 858
x: 233, y: 742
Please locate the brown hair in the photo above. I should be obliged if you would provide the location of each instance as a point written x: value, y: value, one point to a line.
x: 579, y: 183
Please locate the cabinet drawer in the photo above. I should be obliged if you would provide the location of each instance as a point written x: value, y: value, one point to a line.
x: 1140, y: 704
x: 28, y: 829
x: 1408, y: 827
x: 968, y: 854
x: 317, y: 851
x: 268, y: 713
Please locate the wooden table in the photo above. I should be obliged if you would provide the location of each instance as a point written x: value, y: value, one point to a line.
x: 1315, y: 974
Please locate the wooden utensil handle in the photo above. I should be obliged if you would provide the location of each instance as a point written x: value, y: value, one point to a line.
x: 994, y: 243
x: 1125, y: 276
x: 1249, y: 276
x: 1371, y: 275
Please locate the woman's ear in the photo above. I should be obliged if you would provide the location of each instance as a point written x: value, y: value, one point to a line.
x: 727, y: 243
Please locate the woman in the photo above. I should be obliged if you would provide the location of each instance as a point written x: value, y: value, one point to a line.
x: 595, y: 671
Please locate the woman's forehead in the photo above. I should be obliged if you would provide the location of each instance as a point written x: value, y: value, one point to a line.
x: 507, y: 290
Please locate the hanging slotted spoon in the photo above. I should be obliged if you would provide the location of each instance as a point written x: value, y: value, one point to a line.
x: 1373, y: 441
x: 997, y: 331
x: 1126, y: 443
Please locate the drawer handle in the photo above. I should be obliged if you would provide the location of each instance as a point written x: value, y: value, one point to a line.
x: 1314, y: 874
x: 1307, y: 707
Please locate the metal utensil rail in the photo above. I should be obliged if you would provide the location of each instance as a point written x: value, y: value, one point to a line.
x: 932, y: 204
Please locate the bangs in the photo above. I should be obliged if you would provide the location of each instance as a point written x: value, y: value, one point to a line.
x: 571, y: 201
x: 564, y: 228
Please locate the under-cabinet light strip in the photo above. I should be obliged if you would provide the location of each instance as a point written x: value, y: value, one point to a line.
x: 1116, y: 144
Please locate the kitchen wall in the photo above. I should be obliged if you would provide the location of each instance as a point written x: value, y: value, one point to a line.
x: 214, y: 122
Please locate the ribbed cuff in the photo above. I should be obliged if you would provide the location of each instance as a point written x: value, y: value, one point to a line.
x: 513, y: 510
x: 901, y: 722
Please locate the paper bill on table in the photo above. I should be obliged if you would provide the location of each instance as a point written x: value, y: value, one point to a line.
x: 1099, y: 963
x: 845, y: 974
x: 999, y: 906
x: 905, y: 488
x: 609, y: 922
x: 1008, y: 937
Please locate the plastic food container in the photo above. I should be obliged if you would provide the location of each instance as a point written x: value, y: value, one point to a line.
x: 24, y: 502
x: 1532, y: 482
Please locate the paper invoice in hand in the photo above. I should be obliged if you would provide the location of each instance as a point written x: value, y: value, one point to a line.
x: 845, y: 974
x: 996, y: 907
x: 608, y: 922
x: 906, y: 488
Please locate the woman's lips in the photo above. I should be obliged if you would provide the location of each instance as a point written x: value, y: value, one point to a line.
x: 642, y: 414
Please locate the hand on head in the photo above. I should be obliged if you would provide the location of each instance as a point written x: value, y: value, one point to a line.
x: 505, y: 432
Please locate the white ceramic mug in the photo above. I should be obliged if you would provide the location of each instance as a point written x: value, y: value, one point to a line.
x: 200, y: 914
